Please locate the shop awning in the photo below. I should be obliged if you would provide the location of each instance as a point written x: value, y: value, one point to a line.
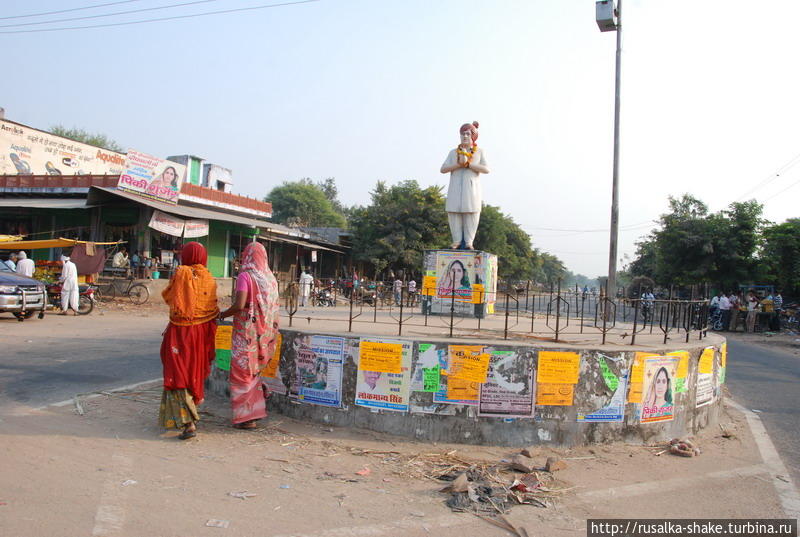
x: 44, y: 203
x: 46, y: 243
x: 98, y: 195
x: 304, y: 244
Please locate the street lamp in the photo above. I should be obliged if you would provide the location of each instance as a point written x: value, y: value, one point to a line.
x: 608, y: 14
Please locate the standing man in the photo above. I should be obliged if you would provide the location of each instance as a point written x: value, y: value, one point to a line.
x: 412, y: 292
x: 10, y: 262
x: 648, y: 299
x: 725, y: 308
x: 25, y: 266
x: 777, y: 302
x: 465, y: 163
x: 306, y: 281
x: 69, y: 286
x: 397, y: 288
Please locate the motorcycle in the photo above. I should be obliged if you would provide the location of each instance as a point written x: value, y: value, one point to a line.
x: 85, y: 297
x: 322, y: 297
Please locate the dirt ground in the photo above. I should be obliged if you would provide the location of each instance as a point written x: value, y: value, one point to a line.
x: 112, y: 471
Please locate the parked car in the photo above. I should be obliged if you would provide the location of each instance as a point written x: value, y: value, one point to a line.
x: 20, y: 295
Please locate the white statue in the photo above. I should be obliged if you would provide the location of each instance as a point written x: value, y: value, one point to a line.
x: 465, y: 163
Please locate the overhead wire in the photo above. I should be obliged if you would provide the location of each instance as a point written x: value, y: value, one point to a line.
x: 68, y: 10
x: 176, y: 17
x: 783, y: 169
x: 194, y: 2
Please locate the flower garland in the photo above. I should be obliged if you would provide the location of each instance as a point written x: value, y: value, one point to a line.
x: 469, y: 154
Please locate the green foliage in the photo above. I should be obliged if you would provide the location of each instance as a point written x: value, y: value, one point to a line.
x: 499, y: 234
x: 781, y: 255
x: 80, y: 135
x: 692, y: 246
x: 304, y: 203
x: 401, y: 222
x: 551, y: 269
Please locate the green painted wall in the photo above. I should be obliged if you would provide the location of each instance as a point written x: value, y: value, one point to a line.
x: 194, y: 171
x: 215, y: 244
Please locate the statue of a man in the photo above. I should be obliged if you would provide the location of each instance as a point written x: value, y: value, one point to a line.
x: 465, y: 163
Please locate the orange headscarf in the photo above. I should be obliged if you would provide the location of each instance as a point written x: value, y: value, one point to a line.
x: 192, y: 291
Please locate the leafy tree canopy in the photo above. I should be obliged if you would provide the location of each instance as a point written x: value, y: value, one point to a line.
x: 307, y: 204
x: 500, y: 235
x: 401, y: 222
x: 781, y: 255
x: 80, y: 135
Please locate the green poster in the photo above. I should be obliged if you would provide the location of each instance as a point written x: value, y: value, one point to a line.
x: 430, y: 379
x: 680, y: 385
x: 224, y: 359
x: 612, y: 381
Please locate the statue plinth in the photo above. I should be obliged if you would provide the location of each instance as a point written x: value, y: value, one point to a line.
x: 461, y: 282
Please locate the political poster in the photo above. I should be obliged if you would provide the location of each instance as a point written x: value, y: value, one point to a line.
x: 614, y: 372
x: 723, y: 363
x: 28, y: 151
x: 510, y: 387
x: 705, y: 378
x: 659, y: 389
x: 152, y: 177
x: 682, y: 373
x: 459, y: 281
x: 222, y: 346
x: 271, y: 374
x: 319, y: 363
x: 556, y: 377
x: 636, y: 378
x: 384, y: 386
x: 458, y: 390
x: 426, y: 374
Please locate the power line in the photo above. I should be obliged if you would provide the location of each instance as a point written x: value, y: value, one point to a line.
x: 781, y: 191
x: 598, y: 230
x: 783, y: 169
x: 108, y: 14
x: 68, y: 10
x: 176, y: 17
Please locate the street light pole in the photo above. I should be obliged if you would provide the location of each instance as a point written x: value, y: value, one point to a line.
x: 609, y: 18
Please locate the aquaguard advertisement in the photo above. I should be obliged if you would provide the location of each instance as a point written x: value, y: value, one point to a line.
x: 27, y: 151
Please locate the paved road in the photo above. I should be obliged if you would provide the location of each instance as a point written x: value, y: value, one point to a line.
x: 769, y: 380
x: 50, y: 360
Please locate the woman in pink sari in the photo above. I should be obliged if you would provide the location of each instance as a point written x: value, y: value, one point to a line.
x: 255, y: 334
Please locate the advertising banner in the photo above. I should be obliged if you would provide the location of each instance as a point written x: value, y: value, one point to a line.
x: 152, y: 177
x: 377, y: 387
x: 319, y: 361
x: 195, y: 228
x: 510, y: 387
x: 556, y: 376
x: 705, y: 378
x: 27, y: 151
x: 658, y: 403
x: 462, y: 280
x: 166, y: 223
x: 455, y: 387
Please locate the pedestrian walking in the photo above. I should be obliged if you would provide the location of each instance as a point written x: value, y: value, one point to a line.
x: 306, y: 281
x: 397, y: 288
x: 735, y: 305
x: 752, y: 311
x: 412, y: 293
x: 725, y: 310
x: 255, y: 312
x: 188, y: 345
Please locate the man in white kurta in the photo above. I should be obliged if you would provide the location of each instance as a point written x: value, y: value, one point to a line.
x: 306, y: 281
x: 465, y: 163
x: 69, y: 286
x: 25, y: 266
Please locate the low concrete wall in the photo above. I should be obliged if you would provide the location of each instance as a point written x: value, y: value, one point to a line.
x: 696, y: 404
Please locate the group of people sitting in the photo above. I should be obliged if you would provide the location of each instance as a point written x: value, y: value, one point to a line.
x: 138, y: 265
x: 188, y: 347
x: 731, y: 306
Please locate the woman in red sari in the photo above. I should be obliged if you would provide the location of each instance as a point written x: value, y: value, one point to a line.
x: 255, y: 334
x: 188, y: 345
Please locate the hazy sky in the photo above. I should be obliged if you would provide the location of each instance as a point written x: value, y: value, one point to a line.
x: 367, y: 90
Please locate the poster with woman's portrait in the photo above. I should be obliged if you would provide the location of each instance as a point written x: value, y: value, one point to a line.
x: 152, y: 177
x: 658, y: 398
x: 456, y: 274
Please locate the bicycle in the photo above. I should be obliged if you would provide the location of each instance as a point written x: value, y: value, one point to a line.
x: 138, y: 293
x: 715, y: 320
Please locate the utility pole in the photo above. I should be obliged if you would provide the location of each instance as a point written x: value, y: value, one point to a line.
x: 609, y: 18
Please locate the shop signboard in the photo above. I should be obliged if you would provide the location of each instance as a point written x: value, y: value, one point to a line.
x: 152, y: 177
x: 27, y: 151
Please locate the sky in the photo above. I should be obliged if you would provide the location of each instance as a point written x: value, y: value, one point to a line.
x: 369, y: 90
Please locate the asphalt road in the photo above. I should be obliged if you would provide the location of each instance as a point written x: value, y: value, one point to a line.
x: 768, y: 380
x: 52, y: 359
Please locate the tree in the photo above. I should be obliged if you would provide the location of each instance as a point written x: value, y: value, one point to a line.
x: 552, y: 269
x: 303, y: 203
x: 781, y: 255
x: 499, y: 234
x: 401, y: 222
x: 80, y: 135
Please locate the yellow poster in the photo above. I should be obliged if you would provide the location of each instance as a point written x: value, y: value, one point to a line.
x: 554, y: 394
x: 224, y: 336
x: 380, y: 357
x: 683, y: 364
x: 478, y: 293
x: 706, y: 366
x: 460, y: 389
x: 558, y: 367
x: 637, y: 376
x: 468, y: 362
x: 271, y: 369
x: 724, y: 355
x: 429, y: 285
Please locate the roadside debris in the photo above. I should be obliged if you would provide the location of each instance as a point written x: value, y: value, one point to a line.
x: 364, y: 471
x: 242, y: 495
x: 215, y: 523
x: 683, y: 448
x: 128, y: 482
x: 554, y: 464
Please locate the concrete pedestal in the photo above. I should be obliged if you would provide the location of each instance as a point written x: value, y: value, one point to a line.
x: 459, y: 282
